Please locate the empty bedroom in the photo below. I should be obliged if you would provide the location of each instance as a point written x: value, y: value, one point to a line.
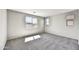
x: 41, y: 29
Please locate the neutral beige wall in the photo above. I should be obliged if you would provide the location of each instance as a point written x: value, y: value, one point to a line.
x: 3, y: 28
x: 58, y: 25
x: 17, y: 27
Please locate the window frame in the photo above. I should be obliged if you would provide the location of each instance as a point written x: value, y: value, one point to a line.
x: 32, y: 21
x: 36, y: 21
x: 26, y: 20
x: 47, y: 22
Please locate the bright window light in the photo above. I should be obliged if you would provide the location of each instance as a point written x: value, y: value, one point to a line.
x: 34, y: 20
x: 37, y: 37
x: 31, y: 20
x: 47, y: 21
x: 28, y: 20
x: 28, y: 39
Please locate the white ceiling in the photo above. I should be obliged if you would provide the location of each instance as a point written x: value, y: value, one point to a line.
x: 43, y: 12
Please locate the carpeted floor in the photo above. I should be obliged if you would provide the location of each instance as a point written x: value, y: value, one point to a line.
x: 46, y: 42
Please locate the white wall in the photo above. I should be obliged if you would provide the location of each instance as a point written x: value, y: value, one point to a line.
x: 3, y: 28
x: 17, y: 27
x: 58, y: 25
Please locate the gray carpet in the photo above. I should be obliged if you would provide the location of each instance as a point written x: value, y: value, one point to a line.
x: 46, y: 42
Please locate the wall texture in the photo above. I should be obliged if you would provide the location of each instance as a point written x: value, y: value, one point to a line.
x: 18, y: 28
x: 3, y: 28
x: 58, y: 25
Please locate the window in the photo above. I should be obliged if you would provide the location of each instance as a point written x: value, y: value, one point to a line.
x: 47, y: 21
x: 30, y: 20
x: 34, y: 20
x: 70, y: 20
